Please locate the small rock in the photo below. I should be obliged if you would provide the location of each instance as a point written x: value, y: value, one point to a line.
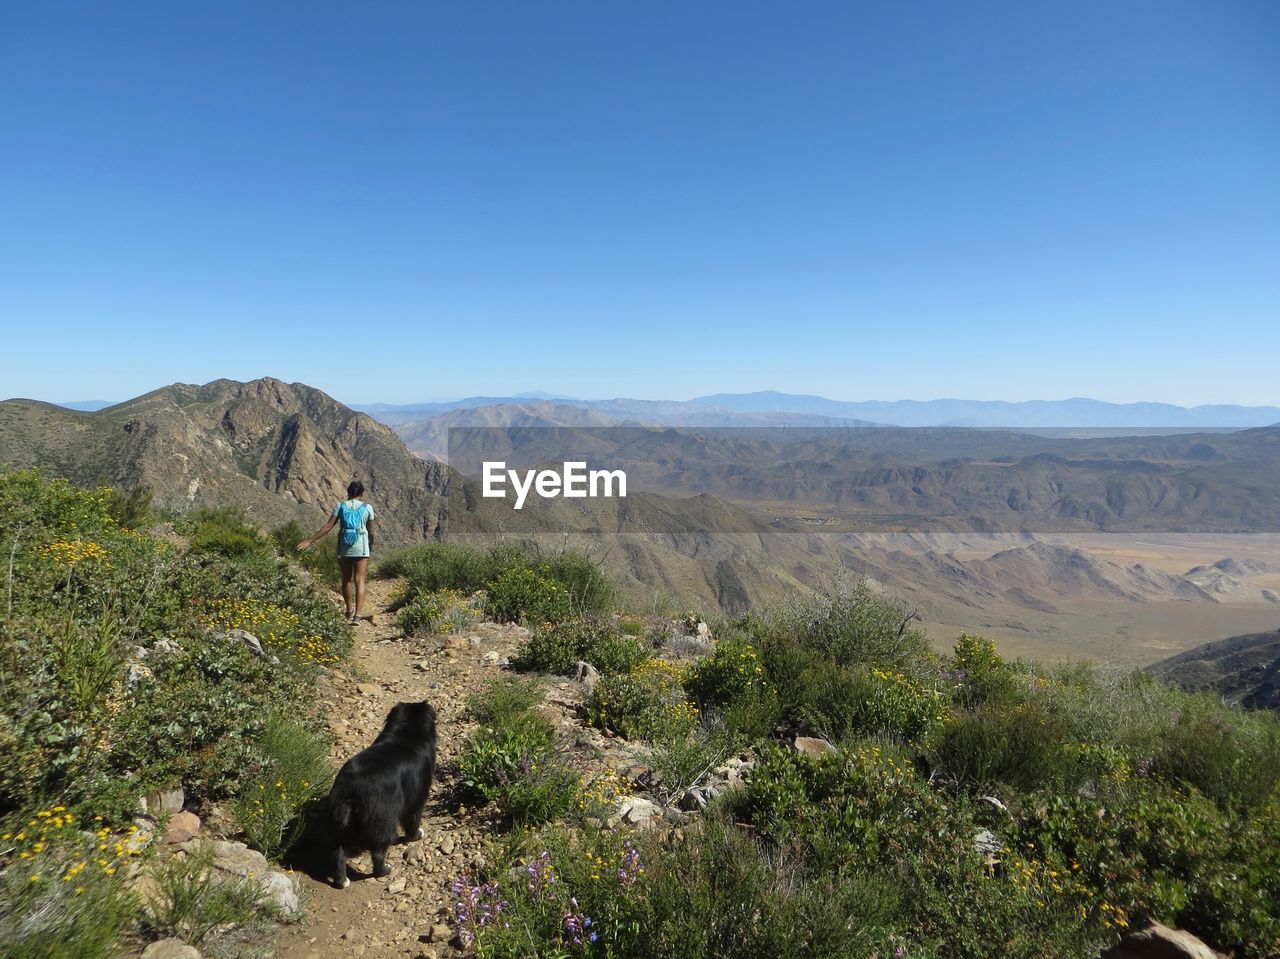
x: 170, y: 800
x: 368, y: 689
x: 135, y: 674
x: 810, y: 746
x: 475, y: 641
x: 282, y: 890
x: 634, y: 810
x: 250, y: 641
x: 587, y: 675
x: 446, y: 845
x: 166, y: 647
x: 170, y: 949
x: 415, y: 854
x: 695, y: 798
x: 181, y: 827
x: 439, y: 932
x: 986, y: 842
x: 996, y: 804
x: 490, y: 658
x: 395, y: 887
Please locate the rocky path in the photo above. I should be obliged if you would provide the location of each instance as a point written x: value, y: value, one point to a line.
x: 406, y: 913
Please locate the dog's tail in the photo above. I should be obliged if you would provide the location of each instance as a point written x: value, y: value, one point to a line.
x: 342, y: 810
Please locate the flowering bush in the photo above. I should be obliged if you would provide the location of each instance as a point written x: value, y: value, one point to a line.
x: 531, y: 595
x: 575, y: 899
x: 439, y: 612
x: 557, y: 647
x: 647, y: 701
x: 62, y: 887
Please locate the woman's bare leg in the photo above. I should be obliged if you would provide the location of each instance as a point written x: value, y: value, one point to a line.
x: 348, y: 571
x: 361, y: 565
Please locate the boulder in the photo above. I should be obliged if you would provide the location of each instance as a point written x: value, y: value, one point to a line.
x: 181, y: 827
x: 810, y: 746
x: 1156, y: 941
x: 587, y: 675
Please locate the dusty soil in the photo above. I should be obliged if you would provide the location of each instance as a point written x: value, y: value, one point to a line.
x: 394, y: 916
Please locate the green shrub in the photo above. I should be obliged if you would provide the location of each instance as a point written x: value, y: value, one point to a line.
x: 1231, y: 756
x: 853, y: 626
x: 1151, y: 851
x: 524, y: 594
x: 292, y: 772
x: 513, y: 760
x: 980, y: 673
x: 557, y: 647
x: 685, y: 749
x: 847, y: 703
x: 439, y: 612
x: 190, y: 901
x: 589, y: 588
x: 731, y: 673
x: 1026, y: 747
x: 522, y: 583
x: 225, y: 532
x: 505, y: 701
x: 131, y: 510
x: 866, y: 811
x: 321, y: 563
x: 715, y: 894
x: 433, y: 566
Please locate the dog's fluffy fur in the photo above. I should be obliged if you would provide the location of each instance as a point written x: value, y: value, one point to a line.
x: 383, y: 787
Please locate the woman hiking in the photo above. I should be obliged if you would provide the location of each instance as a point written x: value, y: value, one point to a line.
x: 354, y: 517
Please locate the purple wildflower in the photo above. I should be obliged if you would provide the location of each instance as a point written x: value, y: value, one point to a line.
x: 541, y: 874
x: 475, y: 907
x: 630, y: 868
x: 577, y: 927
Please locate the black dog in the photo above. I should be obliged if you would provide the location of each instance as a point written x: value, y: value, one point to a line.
x: 384, y: 786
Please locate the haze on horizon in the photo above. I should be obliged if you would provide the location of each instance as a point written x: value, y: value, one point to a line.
x: 855, y: 201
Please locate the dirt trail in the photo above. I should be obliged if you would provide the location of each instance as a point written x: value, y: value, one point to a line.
x: 394, y: 916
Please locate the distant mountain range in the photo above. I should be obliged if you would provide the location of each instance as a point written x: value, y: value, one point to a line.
x: 716, y: 517
x: 774, y: 408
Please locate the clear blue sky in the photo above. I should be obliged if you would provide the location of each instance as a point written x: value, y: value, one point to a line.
x: 865, y: 200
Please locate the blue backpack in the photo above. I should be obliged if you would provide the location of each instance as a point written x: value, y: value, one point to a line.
x: 351, y: 518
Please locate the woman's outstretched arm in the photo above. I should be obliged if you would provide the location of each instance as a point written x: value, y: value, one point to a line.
x: 306, y: 543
